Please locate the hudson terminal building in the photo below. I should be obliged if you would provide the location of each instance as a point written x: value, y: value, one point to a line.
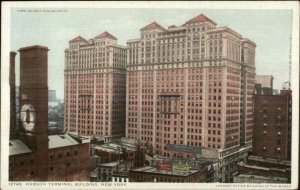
x: 191, y: 85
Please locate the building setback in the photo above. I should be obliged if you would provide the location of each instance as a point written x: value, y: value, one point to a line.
x: 95, y: 82
x: 190, y: 85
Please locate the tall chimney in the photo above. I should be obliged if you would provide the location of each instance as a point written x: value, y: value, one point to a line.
x: 12, y: 85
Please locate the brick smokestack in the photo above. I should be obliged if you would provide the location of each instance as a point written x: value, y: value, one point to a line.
x: 12, y: 84
x: 34, y: 92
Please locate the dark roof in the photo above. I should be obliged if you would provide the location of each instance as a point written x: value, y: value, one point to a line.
x: 106, y: 35
x: 33, y: 47
x: 200, y: 18
x: 78, y: 39
x: 153, y: 26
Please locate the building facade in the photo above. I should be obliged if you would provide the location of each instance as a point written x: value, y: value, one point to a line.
x: 68, y: 158
x: 190, y: 85
x: 95, y: 85
x: 272, y: 118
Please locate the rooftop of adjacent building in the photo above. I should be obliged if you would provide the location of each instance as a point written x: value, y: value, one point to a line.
x: 154, y: 170
x: 267, y: 164
x: 282, y: 93
x: 272, y: 162
x: 264, y: 76
x: 260, y: 166
x: 116, y: 167
x: 207, y: 152
x: 16, y: 146
x: 108, y: 164
x: 262, y: 177
x: 63, y: 140
x: 116, y: 147
x: 190, y: 161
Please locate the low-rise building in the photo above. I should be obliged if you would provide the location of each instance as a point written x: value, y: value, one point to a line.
x: 111, y: 172
x: 227, y: 159
x: 67, y: 159
x: 272, y: 121
x: 120, y: 176
x: 155, y: 174
x: 106, y: 170
x: 205, y: 165
x: 128, y: 150
x: 263, y: 170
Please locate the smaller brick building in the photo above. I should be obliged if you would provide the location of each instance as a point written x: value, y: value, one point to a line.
x: 128, y: 150
x: 272, y: 121
x: 68, y: 159
x: 271, y: 146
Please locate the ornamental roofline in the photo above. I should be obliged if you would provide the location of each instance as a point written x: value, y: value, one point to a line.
x: 152, y: 26
x: 106, y: 34
x: 200, y: 18
x: 78, y: 39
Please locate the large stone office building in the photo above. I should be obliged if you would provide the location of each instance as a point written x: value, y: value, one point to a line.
x: 95, y: 82
x: 190, y: 85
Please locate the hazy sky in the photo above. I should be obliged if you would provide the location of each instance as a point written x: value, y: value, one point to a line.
x: 269, y: 29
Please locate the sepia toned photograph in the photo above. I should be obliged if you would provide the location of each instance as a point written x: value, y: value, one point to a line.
x: 149, y: 95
